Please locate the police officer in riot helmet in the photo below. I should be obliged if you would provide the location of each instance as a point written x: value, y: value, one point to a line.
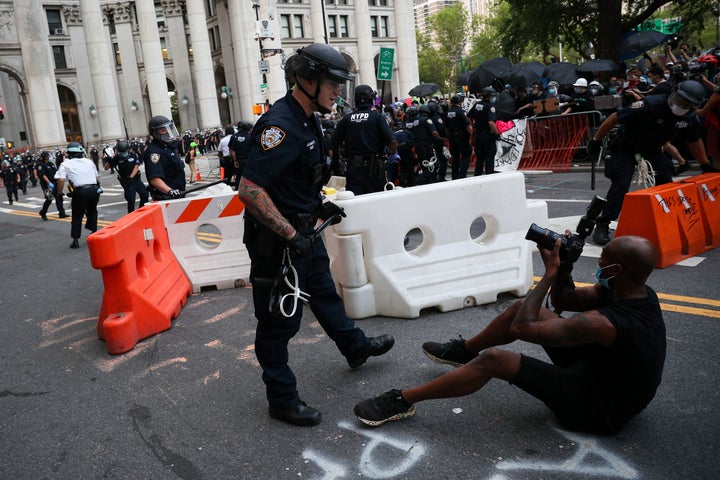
x: 127, y: 165
x: 436, y: 115
x: 484, y: 117
x: 365, y: 135
x: 281, y: 189
x: 164, y: 168
x: 459, y: 131
x: 642, y: 128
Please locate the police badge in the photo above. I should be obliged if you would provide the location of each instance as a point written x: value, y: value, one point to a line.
x: 154, y: 157
x: 271, y: 137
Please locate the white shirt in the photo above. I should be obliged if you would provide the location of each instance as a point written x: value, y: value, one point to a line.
x: 224, y: 145
x: 78, y: 171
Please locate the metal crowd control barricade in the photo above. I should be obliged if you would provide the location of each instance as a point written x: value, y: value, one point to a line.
x: 552, y: 141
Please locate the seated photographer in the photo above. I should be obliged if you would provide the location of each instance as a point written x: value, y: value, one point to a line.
x: 607, y: 361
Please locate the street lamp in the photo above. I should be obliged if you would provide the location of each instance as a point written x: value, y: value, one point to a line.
x: 225, y: 92
x: 93, y: 110
x: 185, y: 100
x: 133, y: 105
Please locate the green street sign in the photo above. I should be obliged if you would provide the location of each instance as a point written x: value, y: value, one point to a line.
x: 385, y: 63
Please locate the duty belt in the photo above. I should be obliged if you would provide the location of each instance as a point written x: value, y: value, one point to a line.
x: 374, y: 163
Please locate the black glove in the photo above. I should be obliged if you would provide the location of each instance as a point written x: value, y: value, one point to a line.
x: 593, y: 147
x: 175, y: 193
x: 329, y: 209
x: 300, y: 245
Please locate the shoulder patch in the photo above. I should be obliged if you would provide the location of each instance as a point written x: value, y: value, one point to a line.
x: 271, y: 137
x: 492, y: 109
x: 154, y: 157
x: 636, y: 105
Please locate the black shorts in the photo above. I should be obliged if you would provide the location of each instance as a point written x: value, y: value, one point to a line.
x: 566, y: 386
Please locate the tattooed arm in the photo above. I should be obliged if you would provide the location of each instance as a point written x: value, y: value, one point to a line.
x: 261, y: 206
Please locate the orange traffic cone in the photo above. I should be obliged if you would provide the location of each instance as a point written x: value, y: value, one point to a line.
x: 198, y: 178
x: 222, y: 172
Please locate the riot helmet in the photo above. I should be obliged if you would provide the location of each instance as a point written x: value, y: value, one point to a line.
x: 686, y: 97
x: 364, y: 95
x: 317, y: 62
x: 456, y: 99
x: 75, y: 150
x: 158, y: 123
x: 123, y: 148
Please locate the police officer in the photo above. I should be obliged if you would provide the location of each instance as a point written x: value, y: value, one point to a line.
x: 436, y: 115
x: 459, y: 131
x: 82, y: 176
x: 642, y: 128
x: 127, y: 165
x: 164, y: 168
x: 46, y: 174
x: 10, y: 178
x: 240, y: 148
x: 281, y: 187
x: 486, y: 133
x: 365, y: 133
x: 407, y: 163
x: 424, y: 136
x: 23, y: 172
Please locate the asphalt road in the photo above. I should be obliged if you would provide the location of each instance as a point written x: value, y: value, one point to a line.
x: 189, y: 403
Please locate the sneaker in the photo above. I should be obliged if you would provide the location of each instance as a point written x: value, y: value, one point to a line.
x: 375, y: 347
x: 384, y: 408
x: 451, y: 353
x: 682, y: 168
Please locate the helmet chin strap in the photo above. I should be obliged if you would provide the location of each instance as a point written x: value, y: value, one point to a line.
x: 313, y: 99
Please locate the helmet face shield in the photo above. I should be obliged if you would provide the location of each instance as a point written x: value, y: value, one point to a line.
x: 166, y: 132
x: 680, y: 105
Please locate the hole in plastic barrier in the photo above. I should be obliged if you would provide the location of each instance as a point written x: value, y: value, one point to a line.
x: 208, y: 236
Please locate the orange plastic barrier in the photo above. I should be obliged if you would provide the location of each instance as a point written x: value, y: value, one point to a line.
x: 145, y: 287
x: 708, y: 186
x: 552, y: 141
x: 669, y: 216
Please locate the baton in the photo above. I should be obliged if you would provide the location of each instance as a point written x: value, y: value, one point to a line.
x: 201, y: 187
x: 324, y: 225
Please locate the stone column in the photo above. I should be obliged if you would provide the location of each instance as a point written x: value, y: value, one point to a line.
x: 206, y: 100
x: 102, y: 72
x: 178, y: 50
x: 43, y: 101
x: 131, y: 85
x: 366, y: 55
x: 242, y: 27
x: 152, y: 58
x: 317, y: 21
x: 406, y: 76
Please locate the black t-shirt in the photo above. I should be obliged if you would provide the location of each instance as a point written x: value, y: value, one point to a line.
x: 629, y: 372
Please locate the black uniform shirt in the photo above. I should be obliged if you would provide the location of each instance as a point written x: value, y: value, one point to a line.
x: 648, y: 123
x: 240, y: 144
x: 422, y: 131
x: 9, y: 175
x: 456, y: 122
x: 47, y: 169
x: 123, y: 165
x: 162, y: 162
x: 482, y: 113
x: 365, y: 132
x: 287, y: 157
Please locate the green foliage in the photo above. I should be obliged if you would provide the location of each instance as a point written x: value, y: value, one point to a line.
x: 432, y: 66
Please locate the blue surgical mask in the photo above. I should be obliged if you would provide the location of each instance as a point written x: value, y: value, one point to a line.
x: 598, y: 276
x: 552, y: 91
x: 493, y: 99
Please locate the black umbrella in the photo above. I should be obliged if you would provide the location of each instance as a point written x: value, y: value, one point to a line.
x: 598, y: 65
x: 536, y: 67
x: 424, y: 89
x: 463, y: 79
x: 498, y: 66
x: 564, y: 73
x: 522, y: 77
x: 635, y: 44
x: 504, y: 106
x: 481, y: 78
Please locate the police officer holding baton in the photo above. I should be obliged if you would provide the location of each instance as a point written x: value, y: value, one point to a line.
x: 280, y: 187
x: 127, y: 165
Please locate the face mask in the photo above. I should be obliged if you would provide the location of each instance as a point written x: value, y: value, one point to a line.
x: 679, y: 111
x: 666, y: 76
x: 577, y: 90
x: 598, y: 276
x: 612, y: 90
x: 552, y: 91
x: 493, y: 99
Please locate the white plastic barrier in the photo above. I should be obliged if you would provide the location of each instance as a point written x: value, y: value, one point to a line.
x: 206, y: 234
x: 450, y: 269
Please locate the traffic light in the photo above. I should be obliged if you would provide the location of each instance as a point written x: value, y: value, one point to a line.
x: 2, y: 113
x: 10, y: 144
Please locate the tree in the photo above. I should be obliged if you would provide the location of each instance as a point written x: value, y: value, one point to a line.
x: 585, y: 26
x: 449, y: 33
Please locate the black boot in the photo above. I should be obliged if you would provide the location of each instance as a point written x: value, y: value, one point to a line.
x: 75, y: 243
x: 601, y: 235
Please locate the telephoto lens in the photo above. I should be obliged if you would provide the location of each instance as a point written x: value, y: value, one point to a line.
x: 544, y: 237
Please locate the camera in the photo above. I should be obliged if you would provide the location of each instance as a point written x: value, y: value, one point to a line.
x: 572, y: 245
